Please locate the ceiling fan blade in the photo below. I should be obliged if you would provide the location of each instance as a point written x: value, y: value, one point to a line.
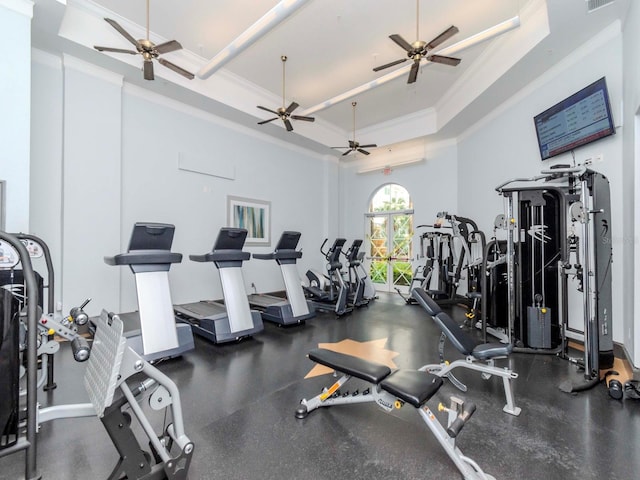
x: 347, y: 152
x: 444, y: 60
x: 170, y: 46
x: 338, y: 147
x: 122, y: 31
x: 413, y: 74
x: 268, y: 110
x: 115, y: 50
x: 370, y: 145
x: 267, y: 121
x: 401, y: 41
x: 148, y: 70
x: 300, y: 117
x: 443, y: 37
x: 287, y: 124
x: 291, y: 107
x: 391, y: 64
x: 176, y: 68
x: 363, y: 151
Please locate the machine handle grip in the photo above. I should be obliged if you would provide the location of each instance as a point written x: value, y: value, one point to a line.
x: 322, y: 247
x: 78, y: 315
x: 454, y: 429
x: 80, y: 348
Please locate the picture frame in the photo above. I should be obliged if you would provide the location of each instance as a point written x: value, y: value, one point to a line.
x: 252, y: 215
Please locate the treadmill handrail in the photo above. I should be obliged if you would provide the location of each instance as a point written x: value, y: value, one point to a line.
x: 144, y: 257
x: 279, y: 255
x: 222, y: 256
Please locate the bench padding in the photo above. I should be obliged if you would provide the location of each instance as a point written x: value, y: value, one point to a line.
x: 428, y: 303
x: 357, y: 367
x: 412, y: 386
x: 487, y: 351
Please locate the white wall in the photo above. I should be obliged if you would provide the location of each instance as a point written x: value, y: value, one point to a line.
x: 631, y: 179
x: 15, y: 95
x: 90, y: 184
x: 157, y: 131
x: 504, y: 146
x: 45, y: 217
x: 107, y: 156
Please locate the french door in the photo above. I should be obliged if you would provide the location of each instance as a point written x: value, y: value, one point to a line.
x: 389, y: 249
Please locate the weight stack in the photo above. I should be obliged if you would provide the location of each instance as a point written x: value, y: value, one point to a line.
x: 538, y: 327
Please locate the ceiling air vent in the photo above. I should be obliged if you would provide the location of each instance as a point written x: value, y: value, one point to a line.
x: 593, y: 5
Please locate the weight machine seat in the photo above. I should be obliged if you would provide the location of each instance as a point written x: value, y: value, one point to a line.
x: 412, y: 386
x: 357, y: 367
x: 463, y: 342
x: 474, y: 295
x: 437, y: 293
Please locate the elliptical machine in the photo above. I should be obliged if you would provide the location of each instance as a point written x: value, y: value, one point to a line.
x: 329, y: 293
x: 356, y: 283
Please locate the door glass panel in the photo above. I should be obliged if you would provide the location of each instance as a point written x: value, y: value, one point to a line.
x: 378, y: 249
x: 389, y: 234
x: 401, y: 250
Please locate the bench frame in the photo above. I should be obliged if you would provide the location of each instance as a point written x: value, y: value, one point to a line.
x: 332, y: 396
x: 461, y: 342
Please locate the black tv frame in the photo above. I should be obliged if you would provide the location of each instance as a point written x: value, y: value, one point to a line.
x: 572, y: 101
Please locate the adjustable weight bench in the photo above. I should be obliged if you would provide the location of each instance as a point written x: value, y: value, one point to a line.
x: 479, y: 356
x: 391, y: 390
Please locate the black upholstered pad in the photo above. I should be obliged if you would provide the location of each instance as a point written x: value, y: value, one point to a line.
x: 425, y: 300
x: 412, y: 386
x: 459, y: 338
x: 487, y: 351
x: 354, y: 366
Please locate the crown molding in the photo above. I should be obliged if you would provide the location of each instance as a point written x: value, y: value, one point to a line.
x: 74, y: 63
x: 23, y: 7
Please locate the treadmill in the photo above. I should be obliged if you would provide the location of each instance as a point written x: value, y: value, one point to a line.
x: 149, y: 256
x: 228, y: 320
x: 295, y: 309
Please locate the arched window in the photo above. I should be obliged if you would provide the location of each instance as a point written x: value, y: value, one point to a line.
x: 389, y: 238
x: 390, y: 198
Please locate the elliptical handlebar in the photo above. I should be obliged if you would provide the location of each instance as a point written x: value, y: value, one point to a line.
x: 326, y: 254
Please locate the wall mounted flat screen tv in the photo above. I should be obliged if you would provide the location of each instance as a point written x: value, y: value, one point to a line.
x: 582, y: 118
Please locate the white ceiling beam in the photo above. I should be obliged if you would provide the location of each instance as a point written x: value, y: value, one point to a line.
x: 454, y: 49
x: 255, y: 32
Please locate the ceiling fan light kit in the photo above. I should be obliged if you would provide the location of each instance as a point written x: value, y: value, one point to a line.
x: 419, y: 49
x: 353, y: 145
x: 283, y: 113
x: 149, y: 50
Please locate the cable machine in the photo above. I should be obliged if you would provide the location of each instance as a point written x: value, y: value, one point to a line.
x: 559, y: 229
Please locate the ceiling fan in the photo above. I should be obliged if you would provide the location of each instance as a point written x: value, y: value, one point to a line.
x: 148, y: 50
x: 418, y: 50
x: 353, y: 145
x: 283, y: 113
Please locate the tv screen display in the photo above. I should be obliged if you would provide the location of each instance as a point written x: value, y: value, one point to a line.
x: 582, y: 118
